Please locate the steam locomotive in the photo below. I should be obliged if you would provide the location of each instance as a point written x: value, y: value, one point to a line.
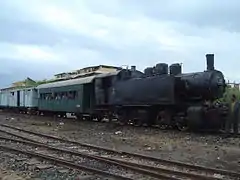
x: 172, y: 99
x: 161, y: 96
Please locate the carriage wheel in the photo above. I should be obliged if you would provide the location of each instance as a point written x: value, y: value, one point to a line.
x: 79, y: 117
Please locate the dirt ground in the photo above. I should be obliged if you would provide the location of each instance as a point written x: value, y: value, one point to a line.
x: 201, y: 149
x: 9, y: 175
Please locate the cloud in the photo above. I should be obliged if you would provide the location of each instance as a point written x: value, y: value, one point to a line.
x: 51, y: 36
x: 202, y: 13
x: 28, y: 52
x: 15, y: 31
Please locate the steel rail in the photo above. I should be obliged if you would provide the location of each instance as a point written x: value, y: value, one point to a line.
x: 65, y: 163
x: 102, y: 159
x: 118, y: 162
x: 169, y: 162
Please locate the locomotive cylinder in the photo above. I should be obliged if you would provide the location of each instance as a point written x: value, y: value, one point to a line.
x: 210, y: 62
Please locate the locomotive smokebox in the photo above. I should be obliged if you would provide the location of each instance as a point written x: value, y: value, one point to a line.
x: 210, y: 62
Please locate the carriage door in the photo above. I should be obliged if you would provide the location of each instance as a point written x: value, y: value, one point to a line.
x: 18, y: 98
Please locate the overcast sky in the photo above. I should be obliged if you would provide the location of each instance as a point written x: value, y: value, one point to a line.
x: 39, y: 38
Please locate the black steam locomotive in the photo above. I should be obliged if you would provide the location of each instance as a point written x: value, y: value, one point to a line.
x: 161, y: 95
x: 162, y: 98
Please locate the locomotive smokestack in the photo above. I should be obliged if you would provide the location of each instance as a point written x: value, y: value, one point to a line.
x: 210, y: 62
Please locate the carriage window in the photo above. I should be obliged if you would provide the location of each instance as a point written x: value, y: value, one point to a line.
x: 75, y: 94
x: 59, y: 95
x: 72, y: 95
x: 64, y: 95
x: 42, y: 96
x: 46, y: 96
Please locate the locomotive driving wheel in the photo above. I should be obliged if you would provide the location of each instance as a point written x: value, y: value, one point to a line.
x: 163, y: 119
x: 181, y: 124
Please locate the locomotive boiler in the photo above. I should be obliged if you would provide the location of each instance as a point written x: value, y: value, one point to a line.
x: 171, y: 99
x: 208, y: 85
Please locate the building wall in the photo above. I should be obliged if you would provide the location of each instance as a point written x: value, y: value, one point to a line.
x: 26, y: 82
x: 234, y: 85
x: 107, y: 70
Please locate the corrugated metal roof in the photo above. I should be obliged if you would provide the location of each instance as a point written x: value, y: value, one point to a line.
x: 70, y: 82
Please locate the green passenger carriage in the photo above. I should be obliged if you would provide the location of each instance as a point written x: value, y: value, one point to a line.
x: 70, y: 96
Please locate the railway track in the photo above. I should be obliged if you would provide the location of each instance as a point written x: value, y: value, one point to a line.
x: 142, y: 164
x: 63, y: 162
x: 209, y: 132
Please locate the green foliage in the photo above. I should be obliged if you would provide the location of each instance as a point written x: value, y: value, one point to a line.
x: 28, y: 84
x: 41, y: 82
x: 229, y: 92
